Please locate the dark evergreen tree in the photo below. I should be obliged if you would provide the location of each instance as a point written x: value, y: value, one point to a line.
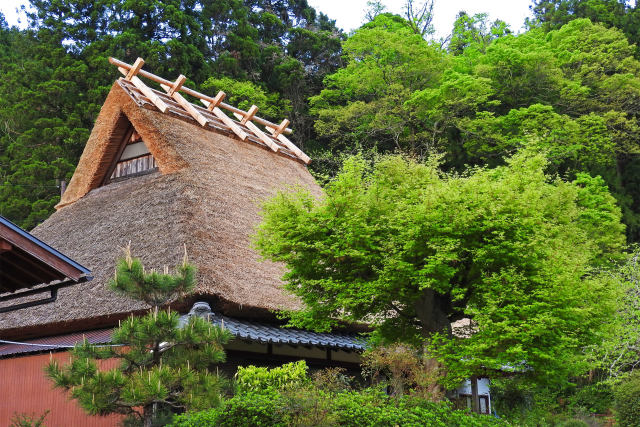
x: 163, y: 367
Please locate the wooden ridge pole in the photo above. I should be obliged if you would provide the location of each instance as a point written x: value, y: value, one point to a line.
x: 126, y: 67
x: 171, y: 91
x: 290, y: 145
x: 263, y: 136
x: 130, y: 75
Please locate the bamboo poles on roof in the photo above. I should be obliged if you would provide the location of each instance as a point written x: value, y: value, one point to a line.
x: 194, y: 93
x: 213, y: 104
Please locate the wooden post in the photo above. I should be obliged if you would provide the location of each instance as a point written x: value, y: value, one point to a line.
x: 263, y: 136
x: 224, y: 118
x: 216, y: 101
x: 290, y: 145
x: 193, y: 93
x: 146, y: 90
x: 475, y: 401
x: 277, y: 131
x: 183, y: 102
x: 177, y: 84
x: 63, y: 187
x: 252, y: 112
x: 134, y: 69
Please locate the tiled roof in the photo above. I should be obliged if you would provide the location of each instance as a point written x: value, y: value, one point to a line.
x: 244, y: 329
x: 265, y: 333
x: 100, y: 336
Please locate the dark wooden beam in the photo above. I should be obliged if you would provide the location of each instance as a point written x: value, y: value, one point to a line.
x: 123, y: 144
x: 11, y: 282
x: 5, y: 246
x: 44, y: 273
x: 39, y: 253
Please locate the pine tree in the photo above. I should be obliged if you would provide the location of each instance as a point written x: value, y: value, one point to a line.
x: 164, y: 367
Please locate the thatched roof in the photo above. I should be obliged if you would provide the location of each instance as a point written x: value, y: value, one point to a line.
x: 206, y: 194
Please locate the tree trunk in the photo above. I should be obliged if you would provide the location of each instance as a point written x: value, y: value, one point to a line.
x: 475, y: 401
x: 431, y: 313
x: 148, y: 414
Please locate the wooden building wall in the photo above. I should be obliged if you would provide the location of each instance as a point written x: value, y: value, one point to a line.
x: 25, y: 389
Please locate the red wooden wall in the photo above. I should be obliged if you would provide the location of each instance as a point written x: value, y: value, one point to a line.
x: 25, y: 389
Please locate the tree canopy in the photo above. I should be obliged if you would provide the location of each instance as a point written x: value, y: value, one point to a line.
x: 410, y: 249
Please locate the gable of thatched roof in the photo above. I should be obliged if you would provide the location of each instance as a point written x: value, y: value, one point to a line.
x: 206, y: 195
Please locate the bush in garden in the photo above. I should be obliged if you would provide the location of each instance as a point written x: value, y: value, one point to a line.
x: 286, y: 396
x: 260, y: 378
x: 627, y: 401
x: 594, y: 398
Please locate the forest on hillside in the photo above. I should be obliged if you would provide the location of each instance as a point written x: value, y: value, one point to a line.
x: 569, y: 86
x: 490, y: 176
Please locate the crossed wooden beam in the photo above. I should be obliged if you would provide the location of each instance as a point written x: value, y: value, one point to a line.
x: 213, y: 104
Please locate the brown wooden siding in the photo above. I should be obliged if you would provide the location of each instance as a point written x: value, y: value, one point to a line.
x: 25, y: 389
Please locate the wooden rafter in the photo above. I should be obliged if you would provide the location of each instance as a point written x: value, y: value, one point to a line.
x: 290, y: 145
x: 5, y: 246
x: 213, y: 104
x: 194, y: 93
x: 172, y: 91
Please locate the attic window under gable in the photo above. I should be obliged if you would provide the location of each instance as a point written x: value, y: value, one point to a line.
x: 135, y: 159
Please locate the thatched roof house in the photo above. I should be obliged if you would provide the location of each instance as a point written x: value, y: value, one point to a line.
x: 161, y: 181
x: 161, y: 173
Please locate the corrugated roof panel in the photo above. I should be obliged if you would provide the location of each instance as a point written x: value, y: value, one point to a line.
x: 101, y: 336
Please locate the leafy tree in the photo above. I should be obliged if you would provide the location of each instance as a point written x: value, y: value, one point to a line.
x: 363, y: 104
x: 163, y: 367
x: 410, y: 249
x: 618, y: 353
x: 475, y: 31
x: 622, y: 14
x: 572, y: 93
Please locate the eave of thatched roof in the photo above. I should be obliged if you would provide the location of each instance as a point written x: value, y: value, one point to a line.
x: 206, y: 195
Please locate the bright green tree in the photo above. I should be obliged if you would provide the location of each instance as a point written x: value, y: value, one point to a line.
x: 164, y: 367
x: 410, y: 249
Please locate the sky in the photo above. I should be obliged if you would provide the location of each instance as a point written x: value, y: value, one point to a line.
x: 349, y: 14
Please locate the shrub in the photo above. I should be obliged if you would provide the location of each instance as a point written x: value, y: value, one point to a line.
x: 312, y: 407
x: 594, y: 398
x: 627, y: 401
x: 251, y: 409
x: 290, y: 375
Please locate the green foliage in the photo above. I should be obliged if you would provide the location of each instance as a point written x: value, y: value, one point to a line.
x: 617, y: 353
x: 362, y: 104
x: 575, y: 423
x: 571, y: 93
x: 153, y: 288
x: 163, y: 366
x: 622, y: 14
x: 595, y: 398
x: 627, y: 401
x: 410, y: 249
x: 252, y: 378
x: 406, y: 369
x: 303, y: 403
x: 25, y: 420
x: 474, y: 31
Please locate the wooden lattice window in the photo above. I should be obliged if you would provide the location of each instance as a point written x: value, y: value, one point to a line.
x: 135, y: 159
